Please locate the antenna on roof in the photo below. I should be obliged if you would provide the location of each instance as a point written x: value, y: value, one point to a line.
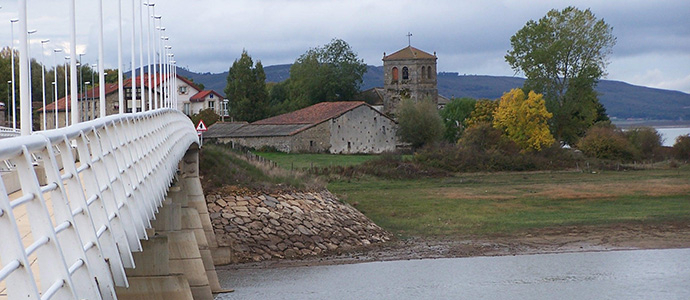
x: 409, y: 40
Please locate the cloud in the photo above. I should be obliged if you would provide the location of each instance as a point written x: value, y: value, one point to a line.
x: 469, y: 36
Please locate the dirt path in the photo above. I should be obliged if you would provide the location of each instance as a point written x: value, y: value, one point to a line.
x: 550, y: 240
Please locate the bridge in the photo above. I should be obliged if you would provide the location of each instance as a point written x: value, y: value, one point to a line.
x: 106, y: 209
x: 110, y: 208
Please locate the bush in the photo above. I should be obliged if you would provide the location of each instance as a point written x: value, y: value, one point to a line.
x: 681, y: 149
x: 208, y: 115
x: 483, y: 137
x: 606, y: 143
x: 647, y: 141
x: 419, y: 123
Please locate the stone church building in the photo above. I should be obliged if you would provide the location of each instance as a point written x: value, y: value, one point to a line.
x: 408, y: 73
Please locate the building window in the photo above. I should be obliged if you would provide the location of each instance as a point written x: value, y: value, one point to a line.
x: 212, y: 105
x: 183, y: 90
x: 395, y: 74
x: 406, y: 74
x: 210, y: 95
x: 423, y: 72
x: 428, y: 75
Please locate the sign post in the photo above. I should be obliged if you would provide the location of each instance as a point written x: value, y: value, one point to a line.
x: 200, y: 128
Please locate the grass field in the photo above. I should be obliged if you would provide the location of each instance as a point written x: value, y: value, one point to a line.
x: 505, y: 203
x: 307, y: 160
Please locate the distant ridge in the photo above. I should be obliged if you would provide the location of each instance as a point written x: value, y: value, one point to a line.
x: 622, y: 100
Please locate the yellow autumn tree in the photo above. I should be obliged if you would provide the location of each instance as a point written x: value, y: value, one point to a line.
x: 524, y: 119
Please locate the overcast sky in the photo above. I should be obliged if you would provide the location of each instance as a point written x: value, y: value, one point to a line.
x: 469, y: 37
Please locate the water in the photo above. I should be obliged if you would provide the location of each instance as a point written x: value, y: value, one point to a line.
x: 670, y: 134
x: 639, y: 274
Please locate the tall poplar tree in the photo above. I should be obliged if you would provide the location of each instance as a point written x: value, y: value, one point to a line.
x: 246, y: 90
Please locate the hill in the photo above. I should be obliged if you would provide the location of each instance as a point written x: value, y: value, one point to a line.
x: 622, y: 100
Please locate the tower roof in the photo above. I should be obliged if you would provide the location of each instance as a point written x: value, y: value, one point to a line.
x: 409, y: 52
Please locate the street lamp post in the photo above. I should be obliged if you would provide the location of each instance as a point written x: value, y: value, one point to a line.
x: 134, y: 59
x: 55, y: 82
x: 9, y: 98
x: 120, y: 78
x: 14, y: 96
x: 93, y: 97
x: 148, y: 52
x: 67, y: 104
x: 141, y: 55
x: 43, y: 82
x: 55, y: 104
x: 31, y: 94
x: 80, y: 88
x: 156, y: 56
x: 86, y: 116
x: 73, y: 63
x: 101, y: 86
x: 174, y: 83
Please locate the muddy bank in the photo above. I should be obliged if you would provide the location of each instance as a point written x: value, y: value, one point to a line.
x: 549, y: 240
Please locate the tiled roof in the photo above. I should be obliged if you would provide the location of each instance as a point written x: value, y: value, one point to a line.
x: 223, y: 129
x: 258, y: 130
x: 200, y: 96
x: 90, y: 93
x: 314, y: 114
x: 409, y: 52
x: 110, y: 88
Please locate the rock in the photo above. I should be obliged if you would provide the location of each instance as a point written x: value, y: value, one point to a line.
x: 242, y: 214
x: 331, y: 246
x: 260, y: 227
x: 290, y: 253
x: 304, y: 230
x: 240, y: 208
x: 271, y: 203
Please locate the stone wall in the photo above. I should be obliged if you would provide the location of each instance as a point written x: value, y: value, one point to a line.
x: 362, y: 130
x: 289, y: 225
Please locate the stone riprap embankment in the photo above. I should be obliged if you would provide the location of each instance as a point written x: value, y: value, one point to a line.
x: 258, y: 226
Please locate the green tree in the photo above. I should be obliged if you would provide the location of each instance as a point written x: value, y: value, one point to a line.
x: 483, y: 112
x: 563, y: 56
x: 419, y: 122
x: 524, y: 119
x: 647, y: 141
x: 454, y: 115
x: 681, y: 149
x: 246, y: 89
x: 329, y: 73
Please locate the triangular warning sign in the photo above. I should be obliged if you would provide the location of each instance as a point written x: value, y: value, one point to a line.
x: 201, y: 126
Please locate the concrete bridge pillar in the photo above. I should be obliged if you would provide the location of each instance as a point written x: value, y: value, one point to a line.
x: 176, y: 262
x: 197, y: 218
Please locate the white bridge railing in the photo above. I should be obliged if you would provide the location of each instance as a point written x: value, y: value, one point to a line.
x: 101, y: 205
x: 6, y: 132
